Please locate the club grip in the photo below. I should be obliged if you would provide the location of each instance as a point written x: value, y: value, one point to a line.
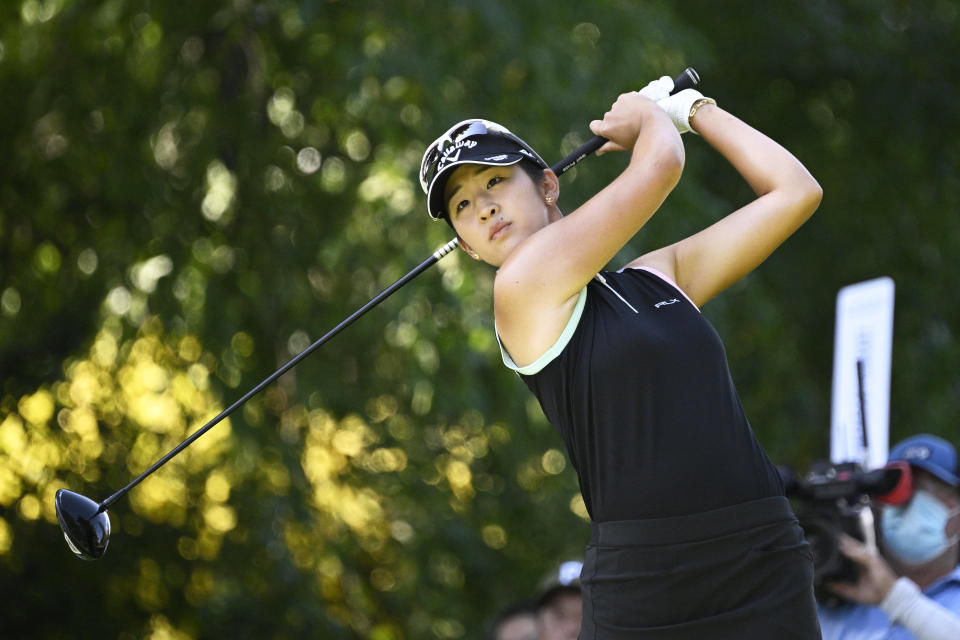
x: 686, y: 80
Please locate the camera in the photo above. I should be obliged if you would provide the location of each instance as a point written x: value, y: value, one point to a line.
x: 835, y: 498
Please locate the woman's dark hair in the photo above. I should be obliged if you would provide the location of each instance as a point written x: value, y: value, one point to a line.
x: 533, y: 170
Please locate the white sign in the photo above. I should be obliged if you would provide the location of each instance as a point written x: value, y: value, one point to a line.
x: 860, y: 413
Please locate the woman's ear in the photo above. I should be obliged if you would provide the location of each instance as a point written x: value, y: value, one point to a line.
x: 550, y: 186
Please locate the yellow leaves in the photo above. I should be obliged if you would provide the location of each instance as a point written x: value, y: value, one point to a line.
x: 35, y: 11
x: 281, y: 105
x: 166, y: 146
x: 360, y: 510
x: 385, y: 183
x: 422, y: 399
x: 320, y: 464
x: 104, y: 351
x: 330, y: 444
x: 143, y: 375
x: 10, y: 486
x: 529, y: 475
x: 277, y: 477
x: 36, y: 408
x: 162, y: 498
x: 58, y: 429
x: 156, y: 412
x: 494, y: 536
x: 13, y: 439
x: 578, y: 507
x: 28, y: 452
x: 151, y: 33
x: 553, y: 461
x: 221, y: 189
x: 383, y: 579
x: 145, y: 275
x: 200, y: 378
x: 330, y: 570
x: 217, y: 487
x: 88, y: 384
x: 335, y: 450
x: 145, y: 449
x: 357, y: 145
x: 401, y: 531
x: 447, y: 628
x: 382, y: 407
x: 333, y: 175
x: 242, y: 344
x: 187, y: 389
x: 386, y: 460
x: 459, y: 477
x: 10, y: 300
x: 446, y: 569
x: 357, y: 508
x: 152, y: 385
x: 220, y: 518
x: 532, y: 472
x: 189, y: 349
x: 331, y: 451
x: 331, y: 566
x: 29, y: 507
x: 199, y: 586
x: 163, y: 629
x: 83, y: 423
x: 6, y: 536
x: 300, y: 544
x: 467, y: 442
x: 349, y: 442
x: 149, y: 587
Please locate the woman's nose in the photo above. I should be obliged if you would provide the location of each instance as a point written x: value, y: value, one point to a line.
x: 488, y: 210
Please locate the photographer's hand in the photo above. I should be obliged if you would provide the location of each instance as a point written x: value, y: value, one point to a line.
x: 901, y: 599
x: 876, y: 576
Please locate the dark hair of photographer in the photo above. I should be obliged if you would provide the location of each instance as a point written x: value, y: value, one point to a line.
x: 910, y: 586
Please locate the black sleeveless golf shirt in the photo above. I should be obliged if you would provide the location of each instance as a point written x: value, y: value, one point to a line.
x: 639, y: 389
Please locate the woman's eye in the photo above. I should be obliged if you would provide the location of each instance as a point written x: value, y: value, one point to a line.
x: 461, y: 206
x: 494, y: 181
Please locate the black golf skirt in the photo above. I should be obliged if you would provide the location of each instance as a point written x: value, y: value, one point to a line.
x: 742, y: 572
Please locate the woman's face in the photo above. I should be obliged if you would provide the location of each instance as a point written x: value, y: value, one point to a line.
x: 494, y: 208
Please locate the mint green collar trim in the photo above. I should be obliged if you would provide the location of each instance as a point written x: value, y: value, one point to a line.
x: 558, y: 346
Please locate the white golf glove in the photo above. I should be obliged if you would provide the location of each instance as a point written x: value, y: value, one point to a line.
x: 658, y: 89
x: 679, y: 105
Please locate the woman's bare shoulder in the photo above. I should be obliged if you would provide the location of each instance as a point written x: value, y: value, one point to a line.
x: 528, y: 325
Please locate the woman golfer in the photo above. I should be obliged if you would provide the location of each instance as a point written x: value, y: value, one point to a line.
x: 692, y: 536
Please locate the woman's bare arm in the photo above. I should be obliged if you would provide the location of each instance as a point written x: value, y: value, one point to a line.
x: 787, y: 195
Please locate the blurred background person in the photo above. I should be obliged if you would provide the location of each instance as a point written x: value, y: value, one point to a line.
x: 517, y: 621
x: 560, y: 603
x: 910, y: 587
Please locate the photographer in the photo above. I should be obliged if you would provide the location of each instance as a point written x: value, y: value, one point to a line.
x: 911, y: 588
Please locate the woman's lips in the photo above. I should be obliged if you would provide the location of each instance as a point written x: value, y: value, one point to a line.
x: 497, y: 228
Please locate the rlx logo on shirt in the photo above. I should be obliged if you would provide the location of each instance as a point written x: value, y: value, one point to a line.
x: 665, y: 302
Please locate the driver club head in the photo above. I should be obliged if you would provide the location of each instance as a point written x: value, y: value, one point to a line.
x: 85, y: 528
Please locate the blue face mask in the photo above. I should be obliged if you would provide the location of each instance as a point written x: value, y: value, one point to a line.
x: 916, y: 532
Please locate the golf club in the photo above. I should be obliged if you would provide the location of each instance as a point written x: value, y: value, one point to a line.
x: 85, y: 522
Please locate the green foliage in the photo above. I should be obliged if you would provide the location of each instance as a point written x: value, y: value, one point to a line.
x: 223, y: 182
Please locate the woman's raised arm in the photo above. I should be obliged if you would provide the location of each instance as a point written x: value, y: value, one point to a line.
x: 706, y: 263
